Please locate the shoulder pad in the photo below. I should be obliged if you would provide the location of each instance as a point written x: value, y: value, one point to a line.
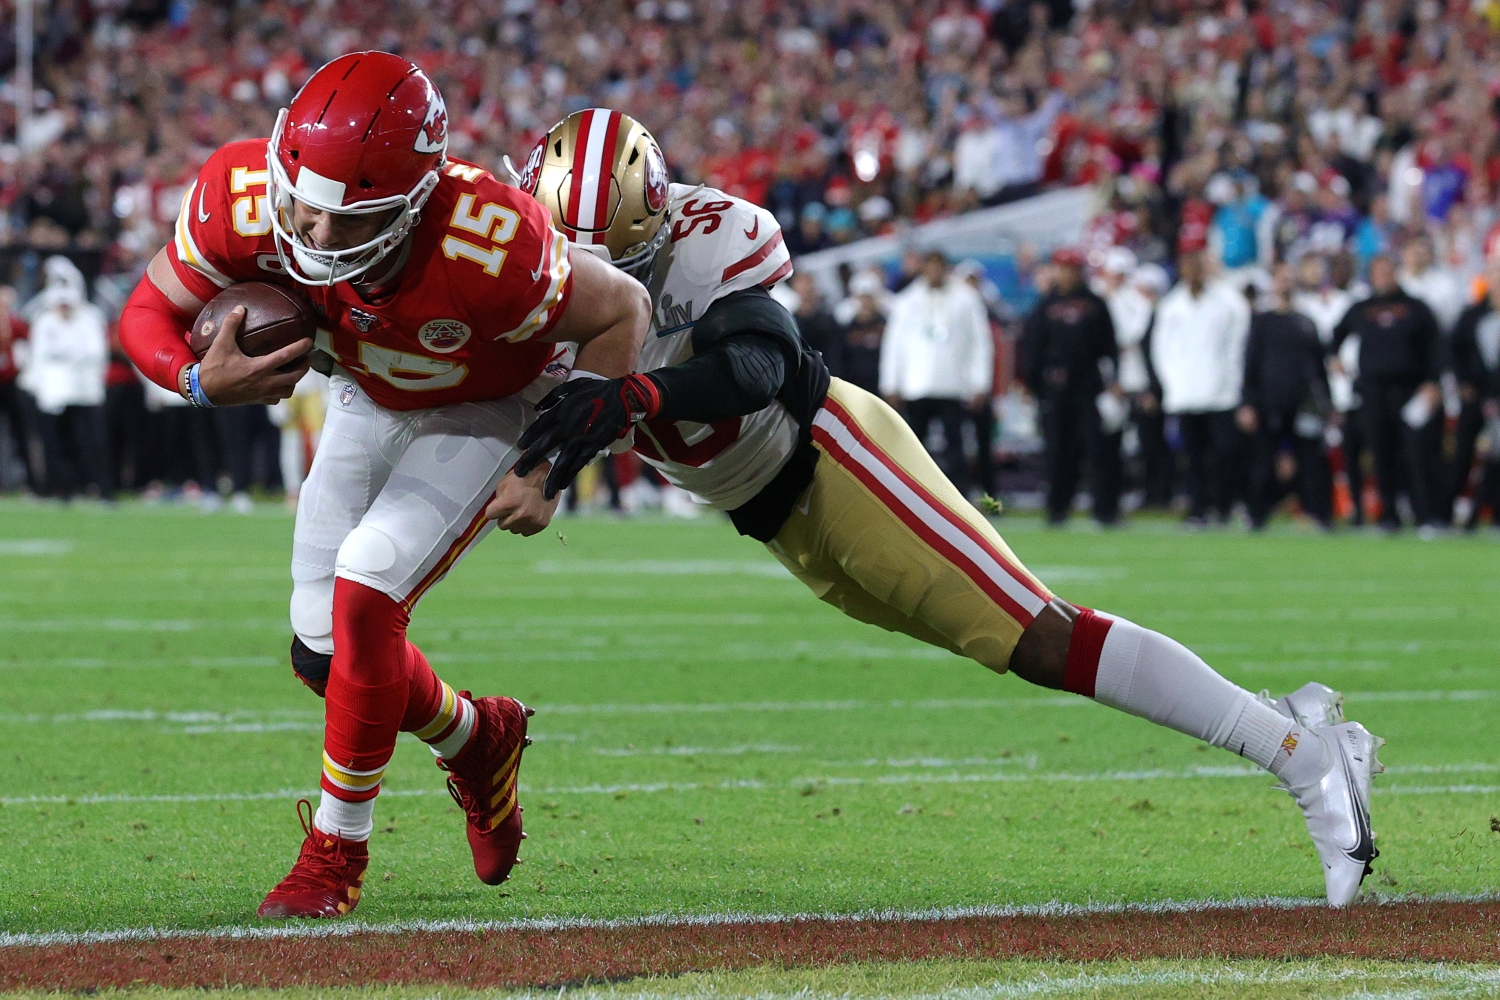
x: 751, y: 310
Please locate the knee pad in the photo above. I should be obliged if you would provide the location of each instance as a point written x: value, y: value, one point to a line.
x: 311, y: 667
x: 367, y: 553
x: 312, y: 614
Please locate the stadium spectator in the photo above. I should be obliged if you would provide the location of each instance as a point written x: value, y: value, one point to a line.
x: 816, y: 324
x: 863, y: 317
x: 982, y: 416
x: 13, y: 401
x: 1475, y: 352
x: 1128, y: 290
x: 64, y: 370
x: 1437, y: 286
x: 1068, y: 361
x: 1285, y: 408
x: 1400, y: 362
x: 1198, y: 356
x: 937, y: 359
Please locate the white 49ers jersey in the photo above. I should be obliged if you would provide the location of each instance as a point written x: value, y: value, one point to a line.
x: 718, y: 244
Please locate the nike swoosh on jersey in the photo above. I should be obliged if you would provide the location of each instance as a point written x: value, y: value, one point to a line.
x: 202, y: 215
x: 754, y: 230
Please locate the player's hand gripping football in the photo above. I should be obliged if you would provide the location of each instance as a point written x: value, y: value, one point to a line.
x: 230, y: 377
x: 580, y: 419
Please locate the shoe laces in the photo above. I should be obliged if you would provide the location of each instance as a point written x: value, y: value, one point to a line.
x: 315, y: 867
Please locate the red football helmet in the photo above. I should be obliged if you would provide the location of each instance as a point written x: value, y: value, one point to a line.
x: 367, y: 134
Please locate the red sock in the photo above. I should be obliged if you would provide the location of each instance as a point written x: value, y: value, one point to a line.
x: 435, y: 713
x: 1084, y: 648
x: 426, y: 697
x: 368, y: 690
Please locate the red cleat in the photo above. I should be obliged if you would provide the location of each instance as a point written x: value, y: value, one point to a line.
x: 483, y: 783
x: 326, y: 879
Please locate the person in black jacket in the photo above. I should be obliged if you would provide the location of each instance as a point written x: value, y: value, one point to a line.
x: 819, y: 330
x: 1474, y: 352
x: 1400, y: 359
x: 1069, y: 359
x: 1285, y: 408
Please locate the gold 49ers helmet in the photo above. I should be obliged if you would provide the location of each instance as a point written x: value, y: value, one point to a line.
x: 603, y: 178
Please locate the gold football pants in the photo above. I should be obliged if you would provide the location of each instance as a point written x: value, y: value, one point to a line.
x: 882, y: 535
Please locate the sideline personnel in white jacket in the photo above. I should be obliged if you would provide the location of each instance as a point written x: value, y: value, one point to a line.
x: 937, y: 359
x: 64, y: 370
x: 1198, y: 354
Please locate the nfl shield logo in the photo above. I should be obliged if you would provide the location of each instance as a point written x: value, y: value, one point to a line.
x: 346, y: 394
x: 362, y: 320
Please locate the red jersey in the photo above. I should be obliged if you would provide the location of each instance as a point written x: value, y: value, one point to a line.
x: 487, y: 274
x: 18, y: 331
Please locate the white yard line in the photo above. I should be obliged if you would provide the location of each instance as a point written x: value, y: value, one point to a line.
x: 351, y: 928
x: 1018, y: 776
x: 35, y: 546
x: 1415, y: 982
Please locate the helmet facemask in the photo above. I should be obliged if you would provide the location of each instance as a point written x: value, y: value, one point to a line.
x: 319, y: 266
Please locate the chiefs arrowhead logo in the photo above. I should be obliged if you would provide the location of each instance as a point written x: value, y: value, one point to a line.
x: 432, y: 137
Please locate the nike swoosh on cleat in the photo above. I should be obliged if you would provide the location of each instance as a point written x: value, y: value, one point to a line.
x: 1364, y: 850
x: 753, y: 231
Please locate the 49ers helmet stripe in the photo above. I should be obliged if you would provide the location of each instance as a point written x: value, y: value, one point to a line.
x: 593, y: 156
x: 603, y: 178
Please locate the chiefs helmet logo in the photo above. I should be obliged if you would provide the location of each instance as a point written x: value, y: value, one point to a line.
x: 656, y: 180
x: 531, y: 173
x: 432, y: 137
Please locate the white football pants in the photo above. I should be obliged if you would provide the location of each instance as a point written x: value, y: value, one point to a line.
x: 395, y: 498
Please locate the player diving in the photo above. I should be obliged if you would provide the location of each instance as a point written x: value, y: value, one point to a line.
x: 443, y: 299
x: 730, y: 405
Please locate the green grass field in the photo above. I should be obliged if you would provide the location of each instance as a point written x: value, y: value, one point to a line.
x: 1014, y: 980
x: 709, y: 737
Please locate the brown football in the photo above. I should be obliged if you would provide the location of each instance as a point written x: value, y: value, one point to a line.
x: 274, y: 318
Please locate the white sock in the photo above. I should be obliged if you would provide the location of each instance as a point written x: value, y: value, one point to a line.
x: 1150, y: 675
x: 457, y: 737
x: 349, y: 820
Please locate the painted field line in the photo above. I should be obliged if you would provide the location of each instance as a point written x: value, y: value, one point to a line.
x: 1019, y: 776
x: 352, y: 928
x: 35, y: 546
x: 1055, y: 984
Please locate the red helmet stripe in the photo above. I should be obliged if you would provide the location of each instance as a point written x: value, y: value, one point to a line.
x: 606, y: 175
x: 580, y: 155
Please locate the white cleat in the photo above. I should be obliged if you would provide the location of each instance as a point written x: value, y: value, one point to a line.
x: 1313, y: 705
x: 1336, y: 805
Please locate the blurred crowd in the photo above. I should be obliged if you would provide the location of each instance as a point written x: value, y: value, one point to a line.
x: 1281, y: 185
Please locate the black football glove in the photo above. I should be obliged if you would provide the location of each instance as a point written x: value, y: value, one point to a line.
x: 582, y: 418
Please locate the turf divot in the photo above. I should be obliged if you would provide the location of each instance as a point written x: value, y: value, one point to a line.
x: 552, y: 956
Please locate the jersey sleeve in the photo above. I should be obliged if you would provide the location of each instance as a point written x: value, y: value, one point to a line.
x: 757, y: 254
x: 726, y: 244
x: 215, y: 241
x: 538, y: 278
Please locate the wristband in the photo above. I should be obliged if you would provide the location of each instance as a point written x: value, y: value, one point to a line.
x: 196, y: 395
x: 578, y: 373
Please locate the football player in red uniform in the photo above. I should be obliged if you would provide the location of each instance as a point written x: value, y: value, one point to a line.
x: 735, y: 408
x: 444, y: 299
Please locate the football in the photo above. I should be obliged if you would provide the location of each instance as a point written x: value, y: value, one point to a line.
x: 274, y: 318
